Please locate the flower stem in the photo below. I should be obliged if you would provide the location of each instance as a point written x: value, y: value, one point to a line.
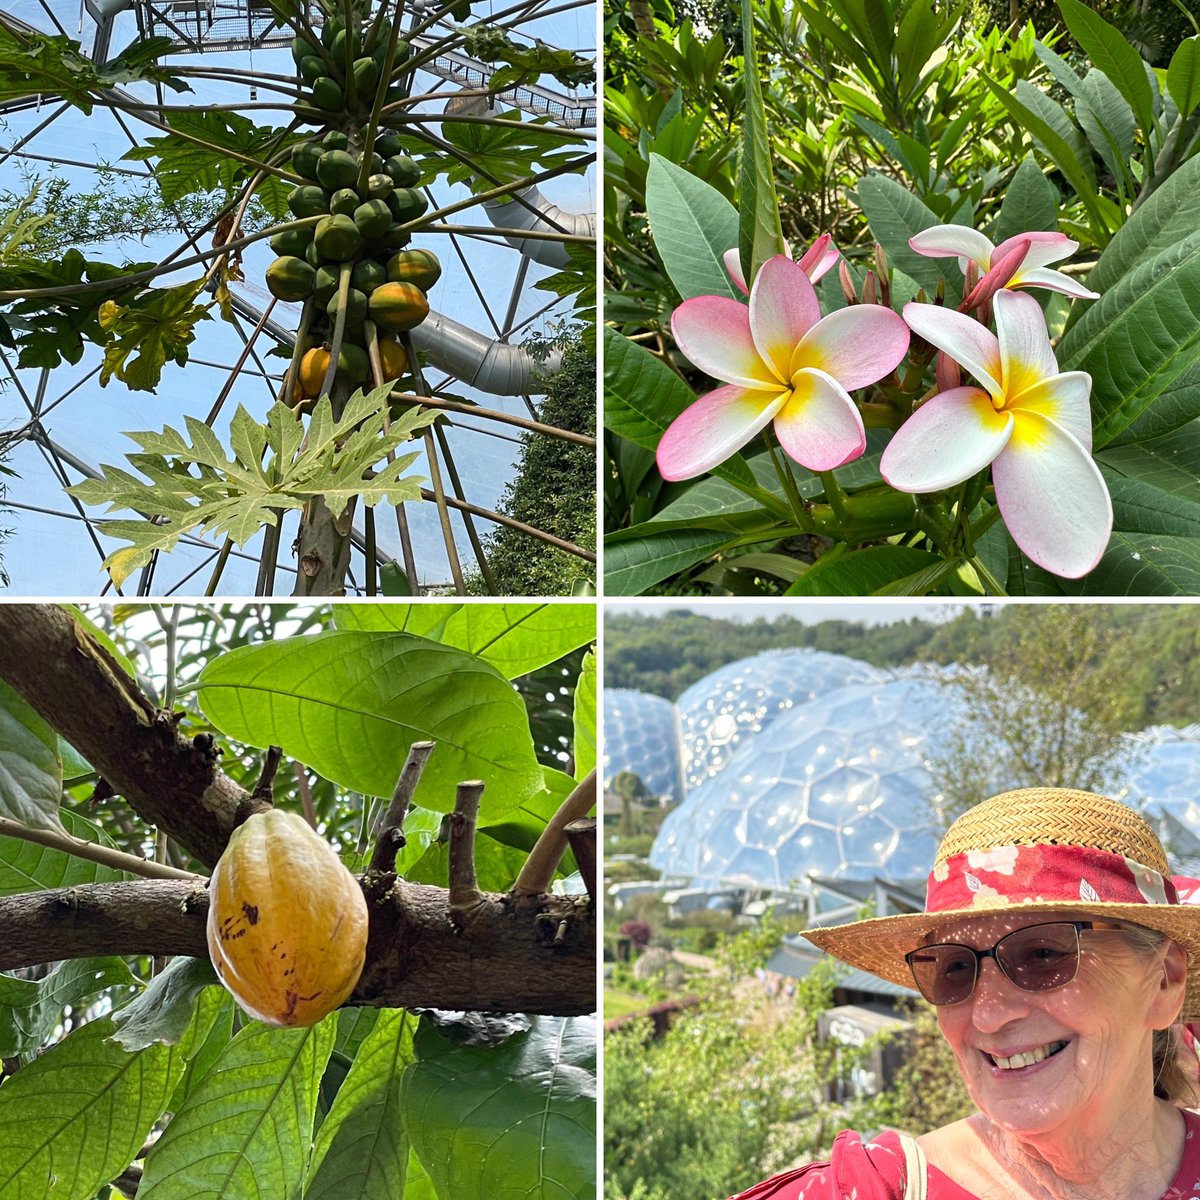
x: 799, y: 507
x: 994, y: 586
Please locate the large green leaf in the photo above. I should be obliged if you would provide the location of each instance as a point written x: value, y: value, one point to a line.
x: 245, y: 1130
x: 30, y: 1010
x: 1107, y: 47
x: 693, y: 225
x: 163, y: 1012
x: 760, y: 234
x: 30, y: 768
x: 1139, y: 341
x: 631, y: 567
x: 27, y: 867
x: 514, y: 638
x: 1108, y: 122
x: 866, y: 572
x: 362, y: 1150
x: 1183, y: 76
x: 583, y: 743
x: 196, y: 486
x: 73, y: 1119
x: 895, y: 215
x: 514, y: 1122
x: 642, y: 396
x: 1030, y: 203
x: 1143, y: 564
x: 349, y: 703
x: 1153, y: 483
x: 1171, y: 213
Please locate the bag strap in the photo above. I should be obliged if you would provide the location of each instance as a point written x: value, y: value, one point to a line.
x: 916, y: 1174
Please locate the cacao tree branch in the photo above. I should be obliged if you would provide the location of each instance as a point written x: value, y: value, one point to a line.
x: 464, y: 889
x: 582, y: 836
x: 502, y: 959
x: 544, y: 858
x: 77, y: 687
x: 389, y: 833
x: 94, y: 852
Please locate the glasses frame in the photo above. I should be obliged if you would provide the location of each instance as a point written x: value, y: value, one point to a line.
x: 979, y: 955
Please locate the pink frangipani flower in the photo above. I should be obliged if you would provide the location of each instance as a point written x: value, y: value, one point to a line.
x: 1032, y: 424
x: 781, y: 361
x: 814, y: 262
x: 968, y: 245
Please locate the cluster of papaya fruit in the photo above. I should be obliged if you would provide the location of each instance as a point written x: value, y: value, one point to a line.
x: 355, y: 257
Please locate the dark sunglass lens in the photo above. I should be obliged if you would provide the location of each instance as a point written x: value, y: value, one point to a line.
x: 945, y: 974
x: 1040, y: 957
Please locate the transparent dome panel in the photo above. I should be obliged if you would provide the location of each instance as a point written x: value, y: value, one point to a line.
x: 640, y: 737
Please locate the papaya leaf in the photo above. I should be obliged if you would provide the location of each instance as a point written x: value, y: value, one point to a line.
x: 197, y: 486
x: 147, y: 331
x: 511, y: 1122
x: 34, y: 63
x: 504, y: 152
x: 245, y: 1129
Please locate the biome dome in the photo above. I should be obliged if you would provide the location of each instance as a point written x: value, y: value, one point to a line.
x: 641, y: 735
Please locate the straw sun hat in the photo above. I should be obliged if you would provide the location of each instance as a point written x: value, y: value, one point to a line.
x: 1034, y: 850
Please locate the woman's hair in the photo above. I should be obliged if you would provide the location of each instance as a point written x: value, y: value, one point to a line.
x: 1171, y: 1081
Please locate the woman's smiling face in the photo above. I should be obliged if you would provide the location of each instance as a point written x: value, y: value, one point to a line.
x: 1036, y: 1062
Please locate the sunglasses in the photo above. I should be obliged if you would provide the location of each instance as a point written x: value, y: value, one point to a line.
x: 1037, y: 958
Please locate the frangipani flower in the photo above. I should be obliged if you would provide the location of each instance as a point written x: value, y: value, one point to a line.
x: 783, y: 362
x: 814, y: 262
x: 1032, y: 424
x: 967, y: 245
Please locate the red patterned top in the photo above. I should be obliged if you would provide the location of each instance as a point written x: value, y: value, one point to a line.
x: 860, y: 1170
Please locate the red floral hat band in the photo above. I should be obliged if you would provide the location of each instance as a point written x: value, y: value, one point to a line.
x: 1009, y: 875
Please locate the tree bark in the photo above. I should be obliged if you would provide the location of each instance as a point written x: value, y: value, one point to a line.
x: 79, y: 689
x: 505, y: 953
x: 503, y: 956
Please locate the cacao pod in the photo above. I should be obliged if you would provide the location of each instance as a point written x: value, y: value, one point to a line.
x: 287, y: 923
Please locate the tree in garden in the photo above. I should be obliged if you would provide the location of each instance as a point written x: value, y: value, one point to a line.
x: 396, y: 732
x: 938, y: 391
x: 356, y: 138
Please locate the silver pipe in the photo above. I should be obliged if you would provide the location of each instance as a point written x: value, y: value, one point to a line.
x: 492, y: 366
x: 508, y: 213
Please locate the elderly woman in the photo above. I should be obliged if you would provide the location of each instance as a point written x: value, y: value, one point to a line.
x: 1056, y: 951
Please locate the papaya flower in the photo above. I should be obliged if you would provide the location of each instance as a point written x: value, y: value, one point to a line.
x: 1030, y: 422
x: 815, y: 261
x: 780, y: 361
x: 968, y: 245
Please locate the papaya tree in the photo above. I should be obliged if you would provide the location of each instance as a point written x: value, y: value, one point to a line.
x: 342, y: 156
x: 395, y: 821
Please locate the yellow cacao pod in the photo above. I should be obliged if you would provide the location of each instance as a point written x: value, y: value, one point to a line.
x: 287, y: 923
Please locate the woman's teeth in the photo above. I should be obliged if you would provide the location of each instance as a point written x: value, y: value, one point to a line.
x: 1027, y: 1057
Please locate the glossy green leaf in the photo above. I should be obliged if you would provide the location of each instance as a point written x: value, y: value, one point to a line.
x: 866, y: 572
x: 31, y: 1009
x: 1168, y: 216
x: 246, y: 1128
x: 1153, y: 483
x: 163, y: 1012
x: 1139, y: 340
x: 514, y: 638
x: 633, y: 566
x: 583, y: 744
x: 73, y: 1119
x: 693, y: 225
x: 30, y: 769
x: 895, y: 215
x: 350, y: 703
x: 362, y: 1150
x: 760, y: 234
x: 513, y: 1122
x: 1142, y: 564
x: 1030, y: 203
x: 1108, y: 122
x: 1183, y: 76
x: 642, y: 396
x: 27, y: 867
x: 1107, y: 47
